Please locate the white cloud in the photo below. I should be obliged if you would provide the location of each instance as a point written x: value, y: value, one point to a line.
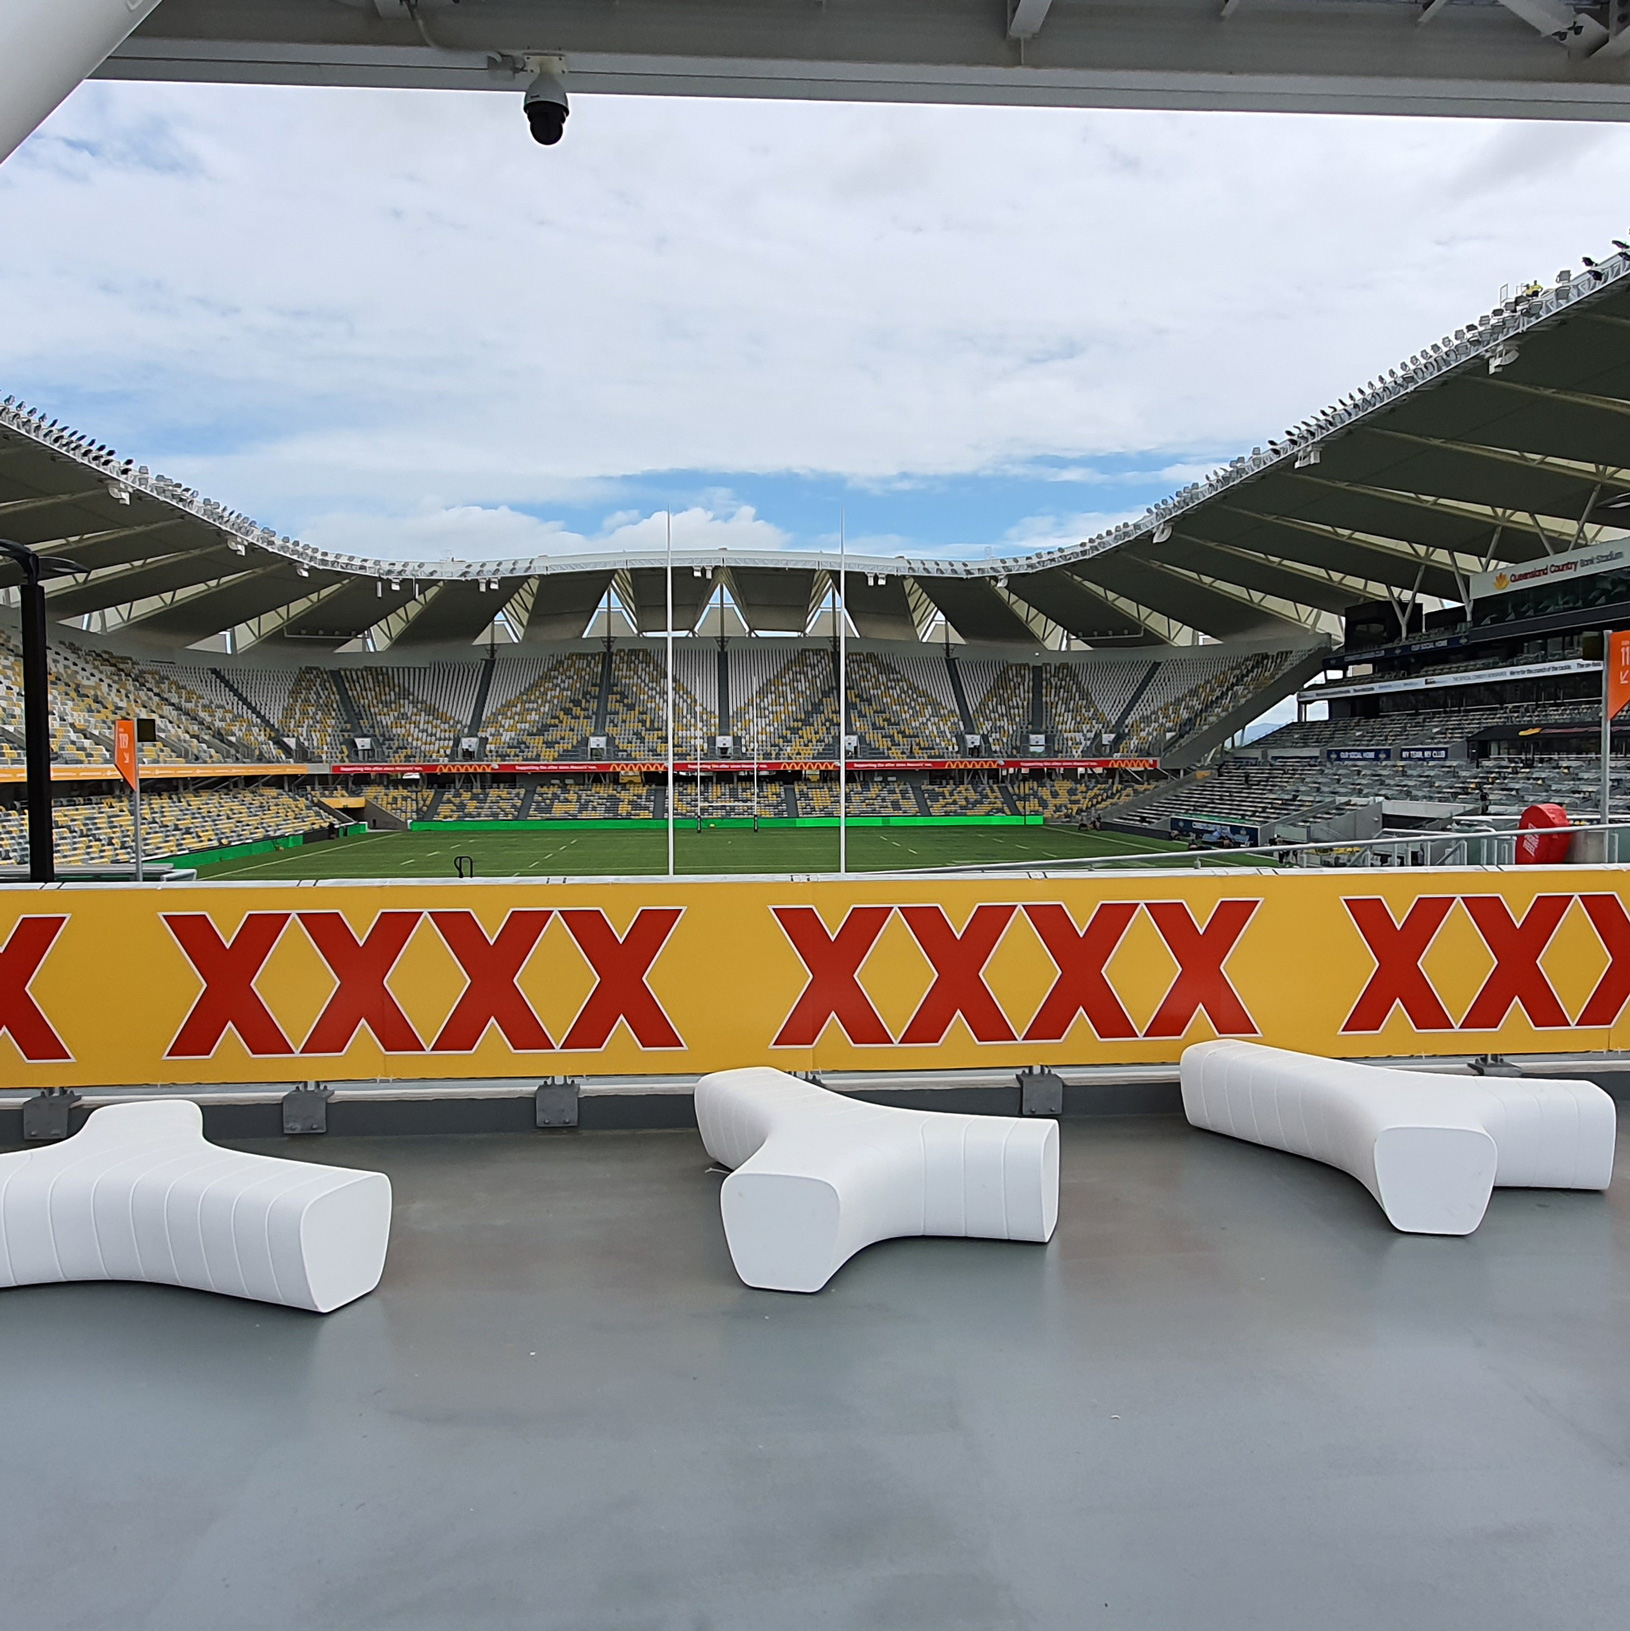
x: 471, y: 532
x: 1050, y: 531
x: 348, y: 310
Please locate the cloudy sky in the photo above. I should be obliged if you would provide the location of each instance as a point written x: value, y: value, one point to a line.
x: 388, y: 320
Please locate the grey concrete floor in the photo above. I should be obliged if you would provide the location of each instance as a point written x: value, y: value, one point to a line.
x: 1226, y: 1395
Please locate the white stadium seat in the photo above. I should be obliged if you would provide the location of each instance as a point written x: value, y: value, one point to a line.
x: 137, y: 1194
x: 817, y: 1176
x: 1429, y: 1148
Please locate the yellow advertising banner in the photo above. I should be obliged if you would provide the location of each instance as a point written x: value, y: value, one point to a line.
x: 132, y: 984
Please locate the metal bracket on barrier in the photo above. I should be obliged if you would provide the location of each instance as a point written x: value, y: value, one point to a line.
x: 1494, y: 1064
x: 1041, y: 1093
x: 45, y: 1116
x: 557, y: 1102
x: 305, y: 1110
x: 810, y: 1076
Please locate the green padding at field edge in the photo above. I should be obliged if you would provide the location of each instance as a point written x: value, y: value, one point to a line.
x: 261, y: 846
x: 650, y: 824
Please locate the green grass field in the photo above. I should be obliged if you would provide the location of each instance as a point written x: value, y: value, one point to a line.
x: 603, y: 853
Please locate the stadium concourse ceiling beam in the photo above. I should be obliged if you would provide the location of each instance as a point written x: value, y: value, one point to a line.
x: 1307, y: 56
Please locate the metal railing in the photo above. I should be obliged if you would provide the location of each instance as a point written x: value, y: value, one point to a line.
x: 1492, y: 847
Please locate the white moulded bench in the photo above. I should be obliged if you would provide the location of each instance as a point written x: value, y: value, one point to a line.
x: 1430, y: 1148
x: 137, y: 1194
x: 817, y: 1176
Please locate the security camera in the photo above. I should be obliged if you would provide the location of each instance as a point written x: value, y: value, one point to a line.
x: 546, y: 107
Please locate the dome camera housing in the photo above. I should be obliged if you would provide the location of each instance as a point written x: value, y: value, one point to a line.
x: 546, y: 108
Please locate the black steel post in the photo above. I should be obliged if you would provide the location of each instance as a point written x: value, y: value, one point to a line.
x: 37, y: 728
x: 35, y: 569
x: 36, y: 721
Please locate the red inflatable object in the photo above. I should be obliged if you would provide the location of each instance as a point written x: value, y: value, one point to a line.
x: 1541, y: 844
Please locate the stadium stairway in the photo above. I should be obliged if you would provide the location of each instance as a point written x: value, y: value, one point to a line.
x: 353, y: 716
x: 602, y: 700
x: 250, y: 708
x: 1202, y: 734
x: 959, y: 691
x: 478, y: 709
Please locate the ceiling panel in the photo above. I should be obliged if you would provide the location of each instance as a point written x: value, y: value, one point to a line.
x: 564, y: 603
x: 975, y: 610
x: 774, y: 600
x: 1208, y: 610
x: 1079, y: 608
x: 690, y: 591
x: 880, y: 611
x: 456, y: 613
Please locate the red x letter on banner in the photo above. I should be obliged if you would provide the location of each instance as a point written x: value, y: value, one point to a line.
x: 362, y: 967
x: 1201, y: 953
x: 229, y: 998
x: 833, y: 962
x: 620, y: 966
x: 491, y: 997
x: 1516, y: 975
x: 959, y: 967
x: 1081, y: 986
x: 1397, y: 949
x: 20, y: 961
x: 1607, y: 914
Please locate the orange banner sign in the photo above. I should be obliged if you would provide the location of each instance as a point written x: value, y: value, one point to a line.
x: 1618, y: 671
x: 124, y: 749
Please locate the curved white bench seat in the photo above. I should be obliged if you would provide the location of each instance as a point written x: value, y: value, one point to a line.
x: 137, y: 1194
x: 1428, y: 1147
x: 817, y: 1176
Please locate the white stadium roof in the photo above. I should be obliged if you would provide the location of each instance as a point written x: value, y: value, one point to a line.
x: 1501, y: 443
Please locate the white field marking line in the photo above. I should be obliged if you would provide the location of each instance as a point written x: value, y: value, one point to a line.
x: 281, y: 858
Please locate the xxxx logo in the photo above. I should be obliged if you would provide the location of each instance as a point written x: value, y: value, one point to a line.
x: 1517, y: 978
x: 1081, y: 986
x: 362, y: 965
x: 20, y: 1016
